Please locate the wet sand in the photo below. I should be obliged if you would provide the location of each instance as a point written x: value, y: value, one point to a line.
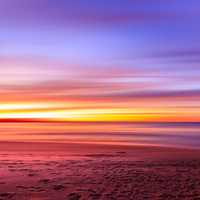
x: 32, y: 171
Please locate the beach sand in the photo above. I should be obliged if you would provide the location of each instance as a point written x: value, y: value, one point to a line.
x: 45, y: 171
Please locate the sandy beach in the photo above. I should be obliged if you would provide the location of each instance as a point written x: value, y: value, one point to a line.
x: 99, y: 100
x: 82, y: 171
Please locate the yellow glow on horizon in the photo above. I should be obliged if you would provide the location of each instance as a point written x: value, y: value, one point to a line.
x: 61, y: 111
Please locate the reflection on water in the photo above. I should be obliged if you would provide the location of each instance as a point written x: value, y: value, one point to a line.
x: 168, y: 134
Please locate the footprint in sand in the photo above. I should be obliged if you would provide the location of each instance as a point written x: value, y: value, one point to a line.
x: 58, y: 187
x: 6, y: 195
x: 74, y: 196
x: 45, y: 181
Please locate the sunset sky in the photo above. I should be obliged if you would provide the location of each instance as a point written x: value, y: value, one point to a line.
x: 102, y: 61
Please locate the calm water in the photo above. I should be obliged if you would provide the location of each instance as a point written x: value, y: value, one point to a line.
x: 166, y: 134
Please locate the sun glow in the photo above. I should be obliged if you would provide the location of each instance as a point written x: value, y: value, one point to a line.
x: 69, y: 111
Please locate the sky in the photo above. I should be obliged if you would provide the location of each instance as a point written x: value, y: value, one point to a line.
x: 108, y: 62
